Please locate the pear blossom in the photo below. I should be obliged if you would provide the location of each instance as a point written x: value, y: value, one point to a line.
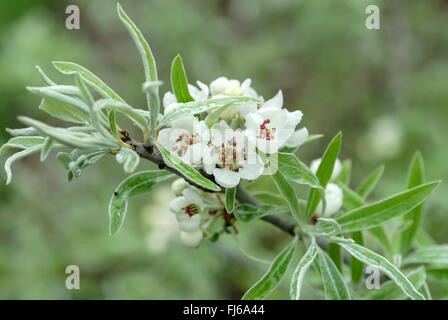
x: 187, y: 138
x: 231, y: 156
x: 273, y: 127
x: 188, y: 209
x: 223, y: 87
x: 333, y: 198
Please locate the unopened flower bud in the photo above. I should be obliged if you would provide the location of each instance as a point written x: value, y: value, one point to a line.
x: 178, y: 186
x: 191, y: 239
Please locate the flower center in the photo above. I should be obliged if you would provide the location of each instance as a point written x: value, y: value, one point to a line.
x: 265, y: 132
x: 231, y: 156
x: 183, y: 142
x: 191, y: 209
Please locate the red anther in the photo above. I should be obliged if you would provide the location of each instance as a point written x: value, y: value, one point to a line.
x: 267, y: 121
x: 234, y: 143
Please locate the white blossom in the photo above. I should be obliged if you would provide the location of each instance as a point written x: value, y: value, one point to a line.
x: 187, y: 138
x: 223, y: 87
x: 188, y: 209
x: 273, y: 127
x: 231, y: 156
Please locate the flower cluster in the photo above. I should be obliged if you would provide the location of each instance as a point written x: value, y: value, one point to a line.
x: 232, y: 147
x: 190, y: 207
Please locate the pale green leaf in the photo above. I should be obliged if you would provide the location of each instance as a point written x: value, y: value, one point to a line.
x: 273, y: 276
x: 288, y: 193
x: 187, y: 171
x: 416, y: 177
x: 294, y: 170
x: 333, y: 281
x: 197, y: 107
x: 137, y: 183
x: 92, y: 80
x: 375, y: 214
x: 230, y: 199
x: 436, y: 254
x: 375, y: 260
x: 367, y: 186
x: 179, y: 81
x: 301, y: 269
x: 149, y: 65
x: 17, y: 156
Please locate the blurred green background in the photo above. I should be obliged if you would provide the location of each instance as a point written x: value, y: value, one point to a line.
x: 385, y: 89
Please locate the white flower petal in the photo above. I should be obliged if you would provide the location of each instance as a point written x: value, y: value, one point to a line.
x: 220, y: 133
x: 191, y: 239
x: 297, y: 138
x: 168, y: 98
x: 226, y: 178
x: 275, y: 102
x: 219, y: 85
x: 192, y: 197
x: 178, y: 204
x: 187, y: 223
x: 252, y: 170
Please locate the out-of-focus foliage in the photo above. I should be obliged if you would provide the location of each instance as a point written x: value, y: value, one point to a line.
x: 386, y: 90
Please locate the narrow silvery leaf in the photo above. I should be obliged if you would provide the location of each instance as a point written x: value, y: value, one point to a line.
x: 21, y: 143
x: 44, y: 77
x: 273, y: 276
x: 112, y: 124
x: 179, y: 81
x: 124, y: 108
x: 187, y: 171
x: 138, y: 183
x: 196, y: 107
x: 324, y: 172
x: 301, y: 269
x: 437, y: 254
x: 334, y: 284
x: 230, y: 199
x: 334, y: 251
x: 390, y: 291
x: 85, y: 92
x: 366, y: 187
x: 48, y: 92
x: 149, y: 65
x: 17, y: 156
x: 46, y: 149
x: 288, y: 193
x: 28, y: 131
x: 91, y: 79
x: 73, y: 139
x: 416, y: 177
x: 294, y: 170
x: 375, y: 214
x: 246, y: 212
x: 375, y: 260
